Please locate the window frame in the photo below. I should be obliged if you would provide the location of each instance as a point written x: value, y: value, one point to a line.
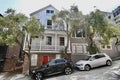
x: 62, y: 43
x: 47, y: 40
x: 106, y: 47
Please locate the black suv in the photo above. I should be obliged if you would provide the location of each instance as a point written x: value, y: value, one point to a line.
x: 54, y: 66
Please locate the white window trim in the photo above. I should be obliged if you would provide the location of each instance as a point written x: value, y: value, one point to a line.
x: 106, y: 47
x: 34, y: 59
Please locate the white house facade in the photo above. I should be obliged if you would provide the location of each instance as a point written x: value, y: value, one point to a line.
x: 55, y: 40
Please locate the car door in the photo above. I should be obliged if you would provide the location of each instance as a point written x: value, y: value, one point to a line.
x: 60, y: 65
x: 50, y: 68
x: 95, y: 61
x: 102, y: 59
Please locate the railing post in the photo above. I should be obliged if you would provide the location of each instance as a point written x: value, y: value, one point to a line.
x: 56, y: 41
x: 40, y: 45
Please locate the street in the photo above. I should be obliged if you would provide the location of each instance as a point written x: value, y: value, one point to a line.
x: 100, y: 73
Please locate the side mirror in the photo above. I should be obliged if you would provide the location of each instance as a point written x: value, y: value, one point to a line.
x: 91, y: 59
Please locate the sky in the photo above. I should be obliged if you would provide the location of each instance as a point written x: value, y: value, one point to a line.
x: 86, y: 6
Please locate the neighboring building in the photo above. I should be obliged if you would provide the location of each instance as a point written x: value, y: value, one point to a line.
x: 79, y: 43
x: 116, y: 14
x: 3, y: 50
x: 12, y: 58
x: 112, y: 50
x: 54, y: 41
x: 109, y: 16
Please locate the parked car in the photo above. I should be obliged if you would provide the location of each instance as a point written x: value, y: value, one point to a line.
x: 54, y: 66
x: 92, y: 61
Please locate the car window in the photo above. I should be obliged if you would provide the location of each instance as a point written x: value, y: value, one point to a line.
x: 99, y: 56
x: 59, y: 61
x: 102, y: 55
x: 87, y: 57
x: 52, y: 62
x: 96, y: 56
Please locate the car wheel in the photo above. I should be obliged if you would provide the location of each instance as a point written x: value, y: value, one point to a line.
x: 108, y: 63
x: 68, y: 70
x: 38, y: 76
x: 87, y: 68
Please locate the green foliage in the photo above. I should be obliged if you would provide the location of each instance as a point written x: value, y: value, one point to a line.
x: 13, y: 26
x: 64, y: 52
x: 92, y: 48
x: 98, y: 25
x: 71, y: 19
x: 35, y: 28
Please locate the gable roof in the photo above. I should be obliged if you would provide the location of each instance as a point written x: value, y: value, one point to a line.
x: 42, y: 9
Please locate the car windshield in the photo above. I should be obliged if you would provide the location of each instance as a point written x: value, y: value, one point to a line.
x: 51, y: 62
x: 87, y: 57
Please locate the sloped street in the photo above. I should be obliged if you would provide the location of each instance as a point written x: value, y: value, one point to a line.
x: 101, y: 73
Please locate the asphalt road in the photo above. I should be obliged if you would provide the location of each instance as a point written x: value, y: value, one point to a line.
x: 100, y: 73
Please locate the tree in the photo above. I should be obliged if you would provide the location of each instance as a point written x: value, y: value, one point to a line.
x: 98, y: 25
x: 16, y: 25
x: 71, y: 20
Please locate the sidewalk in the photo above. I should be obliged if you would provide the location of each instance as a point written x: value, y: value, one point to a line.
x: 5, y: 75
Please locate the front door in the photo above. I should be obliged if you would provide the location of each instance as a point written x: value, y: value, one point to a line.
x: 45, y: 59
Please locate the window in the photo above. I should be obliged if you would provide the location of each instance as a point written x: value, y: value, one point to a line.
x: 52, y: 11
x: 47, y: 11
x: 99, y: 56
x: 49, y: 24
x: 49, y: 40
x: 109, y: 17
x: 103, y: 46
x: 79, y: 33
x: 52, y: 62
x: 61, y: 41
x: 106, y: 47
x: 34, y: 58
x: 59, y: 61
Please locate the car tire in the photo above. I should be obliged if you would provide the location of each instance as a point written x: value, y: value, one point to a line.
x: 108, y: 63
x: 38, y: 76
x: 68, y: 70
x: 87, y: 67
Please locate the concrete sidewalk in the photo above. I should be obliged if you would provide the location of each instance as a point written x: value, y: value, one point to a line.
x: 10, y: 73
x: 3, y: 74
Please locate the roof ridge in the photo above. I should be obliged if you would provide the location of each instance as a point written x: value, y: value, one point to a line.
x: 42, y: 9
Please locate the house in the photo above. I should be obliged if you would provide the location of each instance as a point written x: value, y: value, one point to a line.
x: 79, y: 42
x: 43, y: 50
